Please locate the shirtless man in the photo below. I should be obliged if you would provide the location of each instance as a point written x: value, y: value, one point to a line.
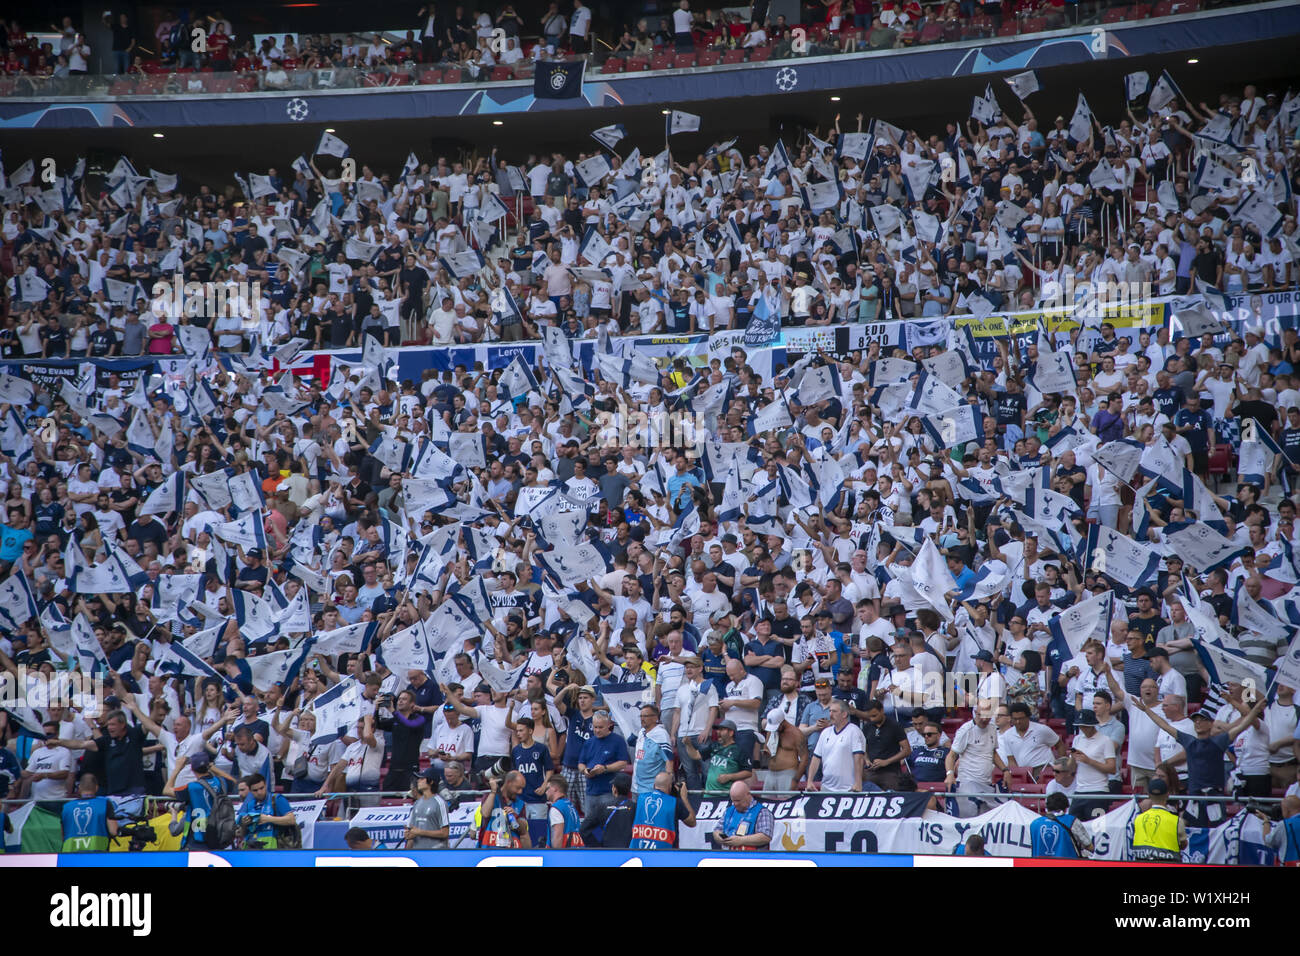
x: 790, y: 760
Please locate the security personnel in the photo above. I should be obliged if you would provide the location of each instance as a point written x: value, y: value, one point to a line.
x: 1291, y: 827
x: 657, y: 811
x: 88, y: 822
x: 1059, y: 834
x: 1158, y: 833
x: 562, y: 821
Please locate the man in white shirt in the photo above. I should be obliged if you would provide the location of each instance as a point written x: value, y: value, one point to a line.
x: 48, y: 767
x: 1028, y: 743
x: 840, y: 752
x: 1168, y: 680
x: 972, y: 759
x: 693, y: 718
x: 1094, y: 754
x: 1168, y: 749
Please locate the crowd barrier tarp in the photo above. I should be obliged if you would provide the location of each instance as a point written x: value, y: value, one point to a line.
x: 50, y: 374
x: 1070, y: 46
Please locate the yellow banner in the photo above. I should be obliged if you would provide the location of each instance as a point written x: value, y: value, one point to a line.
x: 1138, y: 316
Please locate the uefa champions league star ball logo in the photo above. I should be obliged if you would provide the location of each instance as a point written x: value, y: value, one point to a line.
x: 787, y: 78
x: 297, y: 109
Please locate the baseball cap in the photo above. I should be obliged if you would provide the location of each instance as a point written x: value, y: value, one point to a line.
x: 1202, y: 715
x: 1085, y: 718
x: 200, y: 762
x: 775, y: 718
x: 727, y: 725
x: 984, y: 656
x: 1156, y: 787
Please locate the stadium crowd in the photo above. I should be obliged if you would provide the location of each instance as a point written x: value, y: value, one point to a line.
x: 460, y: 38
x: 878, y: 570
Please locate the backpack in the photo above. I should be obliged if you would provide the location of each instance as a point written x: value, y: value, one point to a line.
x: 219, y: 832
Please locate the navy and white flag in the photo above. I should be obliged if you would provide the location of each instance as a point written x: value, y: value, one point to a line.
x: 1022, y: 84
x: 518, y: 379
x: 932, y: 579
x: 393, y: 453
x: 176, y: 659
x: 771, y: 417
x: 248, y: 532
x: 504, y: 305
x: 1259, y: 209
x: 917, y: 176
x: 16, y: 391
x: 818, y: 197
x: 1136, y: 85
x: 89, y: 651
x: 956, y: 426
x: 624, y: 701
x: 1080, y: 127
x: 1120, y: 457
x: 575, y: 564
x: 280, y: 667
x: 1161, y: 462
x: 886, y: 371
x: 594, y: 249
x: 1087, y: 620
x: 1196, y: 321
x: 1252, y: 615
x: 609, y: 136
x: 331, y: 145
x: 448, y: 627
x: 351, y: 639
x: 256, y: 617
x: 1201, y: 546
x: 680, y: 122
x: 886, y: 218
x: 203, y: 644
x: 1164, y: 92
x: 592, y: 170
x: 502, y: 679
x: 17, y: 601
x: 1053, y: 372
x: 461, y: 265
x: 853, y: 145
x: 932, y: 396
x: 337, y: 710
x: 819, y: 384
x: 1120, y: 558
x: 559, y: 80
x: 764, y: 326
x: 1230, y: 666
x: 468, y: 449
x: 985, y: 583
x: 406, y: 651
x: 985, y: 108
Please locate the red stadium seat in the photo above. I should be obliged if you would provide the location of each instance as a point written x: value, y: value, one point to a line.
x: 637, y: 64
x: 245, y: 84
x: 932, y: 786
x: 733, y: 56
x: 708, y: 57
x: 1140, y: 11
x: 502, y: 73
x: 661, y: 61
x: 398, y: 79
x: 1019, y: 777
x: 613, y: 65
x: 1220, y: 461
x: 430, y: 77
x: 684, y: 61
x: 1008, y: 28
x: 1115, y: 15
x: 452, y: 75
x: 1035, y: 25
x: 760, y: 53
x: 373, y: 79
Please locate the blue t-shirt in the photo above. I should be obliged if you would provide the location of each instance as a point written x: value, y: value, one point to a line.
x: 1200, y: 423
x: 11, y: 542
x: 602, y: 751
x: 578, y: 734
x: 770, y: 676
x: 198, y: 805
x: 533, y: 762
x: 275, y: 805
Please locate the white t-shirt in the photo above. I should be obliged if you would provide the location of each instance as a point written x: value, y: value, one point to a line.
x: 693, y: 702
x: 493, y: 738
x: 835, y: 749
x: 1168, y: 748
x: 50, y: 760
x: 751, y: 688
x: 452, y: 740
x: 975, y: 746
x: 1098, y: 747
x: 1034, y: 749
x: 363, y: 763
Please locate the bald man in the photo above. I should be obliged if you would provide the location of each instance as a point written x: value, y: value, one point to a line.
x: 746, y: 824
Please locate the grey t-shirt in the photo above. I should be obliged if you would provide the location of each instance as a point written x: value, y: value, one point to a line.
x: 428, y: 813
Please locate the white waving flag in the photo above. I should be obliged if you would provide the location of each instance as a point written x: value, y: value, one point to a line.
x: 932, y: 579
x: 331, y: 145
x: 1022, y: 84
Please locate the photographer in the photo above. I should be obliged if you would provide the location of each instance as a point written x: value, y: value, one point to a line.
x: 500, y: 818
x: 408, y: 732
x: 263, y: 814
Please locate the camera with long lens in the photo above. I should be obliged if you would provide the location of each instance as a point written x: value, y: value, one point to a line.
x: 139, y: 833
